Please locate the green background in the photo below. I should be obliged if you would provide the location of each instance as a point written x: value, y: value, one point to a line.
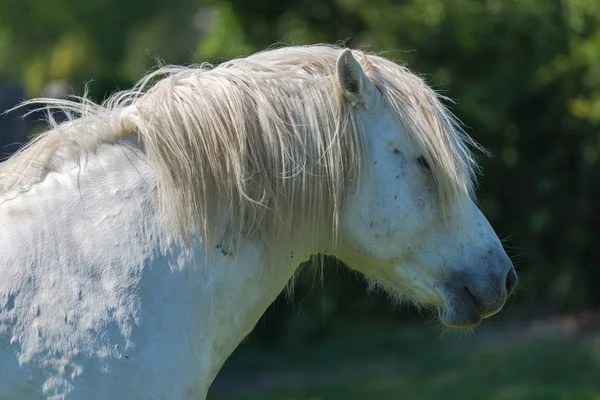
x: 525, y: 75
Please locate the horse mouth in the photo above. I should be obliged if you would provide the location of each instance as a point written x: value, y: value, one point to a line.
x: 455, y: 318
x: 464, y: 310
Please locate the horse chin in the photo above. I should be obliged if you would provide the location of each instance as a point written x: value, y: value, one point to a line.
x: 463, y: 316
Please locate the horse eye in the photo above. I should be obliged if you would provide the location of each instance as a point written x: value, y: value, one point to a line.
x: 423, y: 162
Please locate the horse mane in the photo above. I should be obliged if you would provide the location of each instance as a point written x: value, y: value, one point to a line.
x: 268, y: 140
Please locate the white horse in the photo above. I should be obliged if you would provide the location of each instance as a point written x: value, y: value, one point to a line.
x: 142, y: 240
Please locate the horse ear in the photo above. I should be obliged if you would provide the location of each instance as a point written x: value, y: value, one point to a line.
x: 356, y: 86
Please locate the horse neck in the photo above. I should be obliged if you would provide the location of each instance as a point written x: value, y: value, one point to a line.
x: 240, y: 289
x: 108, y: 221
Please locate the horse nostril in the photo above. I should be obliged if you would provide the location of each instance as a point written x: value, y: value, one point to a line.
x: 511, y: 280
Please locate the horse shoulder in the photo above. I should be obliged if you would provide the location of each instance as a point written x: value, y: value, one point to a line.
x: 84, y: 287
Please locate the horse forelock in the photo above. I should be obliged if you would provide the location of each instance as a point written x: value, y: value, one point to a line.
x: 266, y: 143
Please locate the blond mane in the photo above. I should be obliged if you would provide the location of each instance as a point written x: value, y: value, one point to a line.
x: 267, y: 140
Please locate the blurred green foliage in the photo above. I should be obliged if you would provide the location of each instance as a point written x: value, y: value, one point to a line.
x: 525, y: 74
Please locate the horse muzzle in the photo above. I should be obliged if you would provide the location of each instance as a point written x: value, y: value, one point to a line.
x: 470, y: 299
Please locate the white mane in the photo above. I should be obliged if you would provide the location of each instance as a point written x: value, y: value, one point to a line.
x: 268, y: 140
